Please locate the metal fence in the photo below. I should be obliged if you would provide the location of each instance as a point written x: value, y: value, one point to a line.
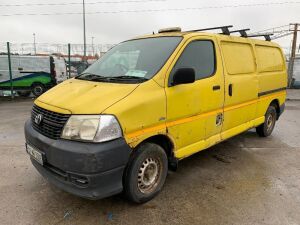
x: 14, y: 56
x: 295, y: 82
x: 48, y: 48
x: 72, y: 56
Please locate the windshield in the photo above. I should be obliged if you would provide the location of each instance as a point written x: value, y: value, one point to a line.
x: 135, y: 60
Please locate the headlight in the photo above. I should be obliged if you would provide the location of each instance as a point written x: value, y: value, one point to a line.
x: 94, y: 128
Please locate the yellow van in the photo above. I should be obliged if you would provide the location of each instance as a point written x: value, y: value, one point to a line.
x: 150, y: 102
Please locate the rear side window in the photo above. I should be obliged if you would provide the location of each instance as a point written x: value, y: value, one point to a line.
x: 34, y: 64
x: 239, y: 58
x: 199, y: 55
x: 269, y: 59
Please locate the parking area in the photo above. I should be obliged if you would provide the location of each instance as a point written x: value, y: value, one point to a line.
x: 245, y: 180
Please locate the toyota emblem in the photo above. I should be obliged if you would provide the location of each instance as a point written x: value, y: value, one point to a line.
x: 38, y: 119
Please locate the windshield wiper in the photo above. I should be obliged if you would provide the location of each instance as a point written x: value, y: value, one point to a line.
x: 129, y: 77
x: 90, y: 77
x: 95, y: 77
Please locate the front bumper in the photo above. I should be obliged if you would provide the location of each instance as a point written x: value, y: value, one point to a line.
x: 88, y: 170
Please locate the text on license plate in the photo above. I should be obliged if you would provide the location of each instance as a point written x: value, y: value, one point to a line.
x: 35, y: 154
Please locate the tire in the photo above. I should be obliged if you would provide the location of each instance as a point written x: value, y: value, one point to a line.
x: 146, y: 173
x: 37, y: 89
x: 24, y: 93
x: 265, y: 129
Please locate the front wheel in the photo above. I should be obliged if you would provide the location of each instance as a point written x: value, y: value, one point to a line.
x: 146, y: 173
x: 265, y: 129
x: 37, y: 89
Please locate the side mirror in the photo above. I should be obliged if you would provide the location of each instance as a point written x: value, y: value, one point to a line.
x: 183, y: 76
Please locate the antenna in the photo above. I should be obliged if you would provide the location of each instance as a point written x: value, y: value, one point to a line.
x: 267, y: 36
x: 225, y: 29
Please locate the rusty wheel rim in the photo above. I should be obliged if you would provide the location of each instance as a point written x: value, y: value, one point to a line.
x: 149, y: 174
x: 270, y: 122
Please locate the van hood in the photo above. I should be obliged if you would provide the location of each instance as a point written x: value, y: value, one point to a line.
x: 84, y: 97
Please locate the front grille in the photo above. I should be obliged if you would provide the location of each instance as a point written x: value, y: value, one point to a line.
x: 51, y: 124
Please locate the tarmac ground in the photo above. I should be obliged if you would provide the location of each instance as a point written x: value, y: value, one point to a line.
x: 245, y: 180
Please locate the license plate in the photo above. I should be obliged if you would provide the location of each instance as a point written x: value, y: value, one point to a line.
x: 35, y: 154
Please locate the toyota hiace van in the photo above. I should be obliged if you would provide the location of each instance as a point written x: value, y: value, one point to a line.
x: 150, y: 102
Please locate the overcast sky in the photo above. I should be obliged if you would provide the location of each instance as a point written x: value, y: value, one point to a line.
x: 113, y: 28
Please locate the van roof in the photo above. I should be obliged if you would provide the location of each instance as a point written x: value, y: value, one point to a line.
x: 168, y: 32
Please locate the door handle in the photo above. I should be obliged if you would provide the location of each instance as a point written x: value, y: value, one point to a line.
x: 216, y: 87
x: 230, y: 89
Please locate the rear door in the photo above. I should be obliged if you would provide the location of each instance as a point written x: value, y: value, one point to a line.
x: 193, y: 109
x: 241, y: 86
x: 60, y: 69
x: 4, y: 70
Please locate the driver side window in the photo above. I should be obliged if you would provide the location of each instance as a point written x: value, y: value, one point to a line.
x: 199, y: 55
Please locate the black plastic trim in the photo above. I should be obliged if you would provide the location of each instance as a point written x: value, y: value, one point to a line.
x: 101, y: 165
x: 271, y: 91
x: 216, y: 87
x: 100, y: 185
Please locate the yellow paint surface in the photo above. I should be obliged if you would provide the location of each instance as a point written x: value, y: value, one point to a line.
x: 186, y: 114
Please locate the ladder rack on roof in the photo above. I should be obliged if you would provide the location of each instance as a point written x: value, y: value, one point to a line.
x: 242, y: 32
x: 225, y: 29
x: 266, y: 36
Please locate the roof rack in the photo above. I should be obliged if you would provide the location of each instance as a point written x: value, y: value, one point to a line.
x: 225, y: 29
x: 242, y: 32
x: 266, y: 36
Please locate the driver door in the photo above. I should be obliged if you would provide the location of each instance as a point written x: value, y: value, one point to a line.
x: 195, y: 111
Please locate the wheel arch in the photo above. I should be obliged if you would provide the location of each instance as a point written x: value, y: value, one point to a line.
x: 275, y: 103
x: 163, y: 141
x: 36, y: 83
x: 167, y: 144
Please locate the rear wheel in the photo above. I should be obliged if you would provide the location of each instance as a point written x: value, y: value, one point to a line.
x: 265, y: 129
x: 24, y: 93
x: 146, y: 173
x: 37, y: 89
